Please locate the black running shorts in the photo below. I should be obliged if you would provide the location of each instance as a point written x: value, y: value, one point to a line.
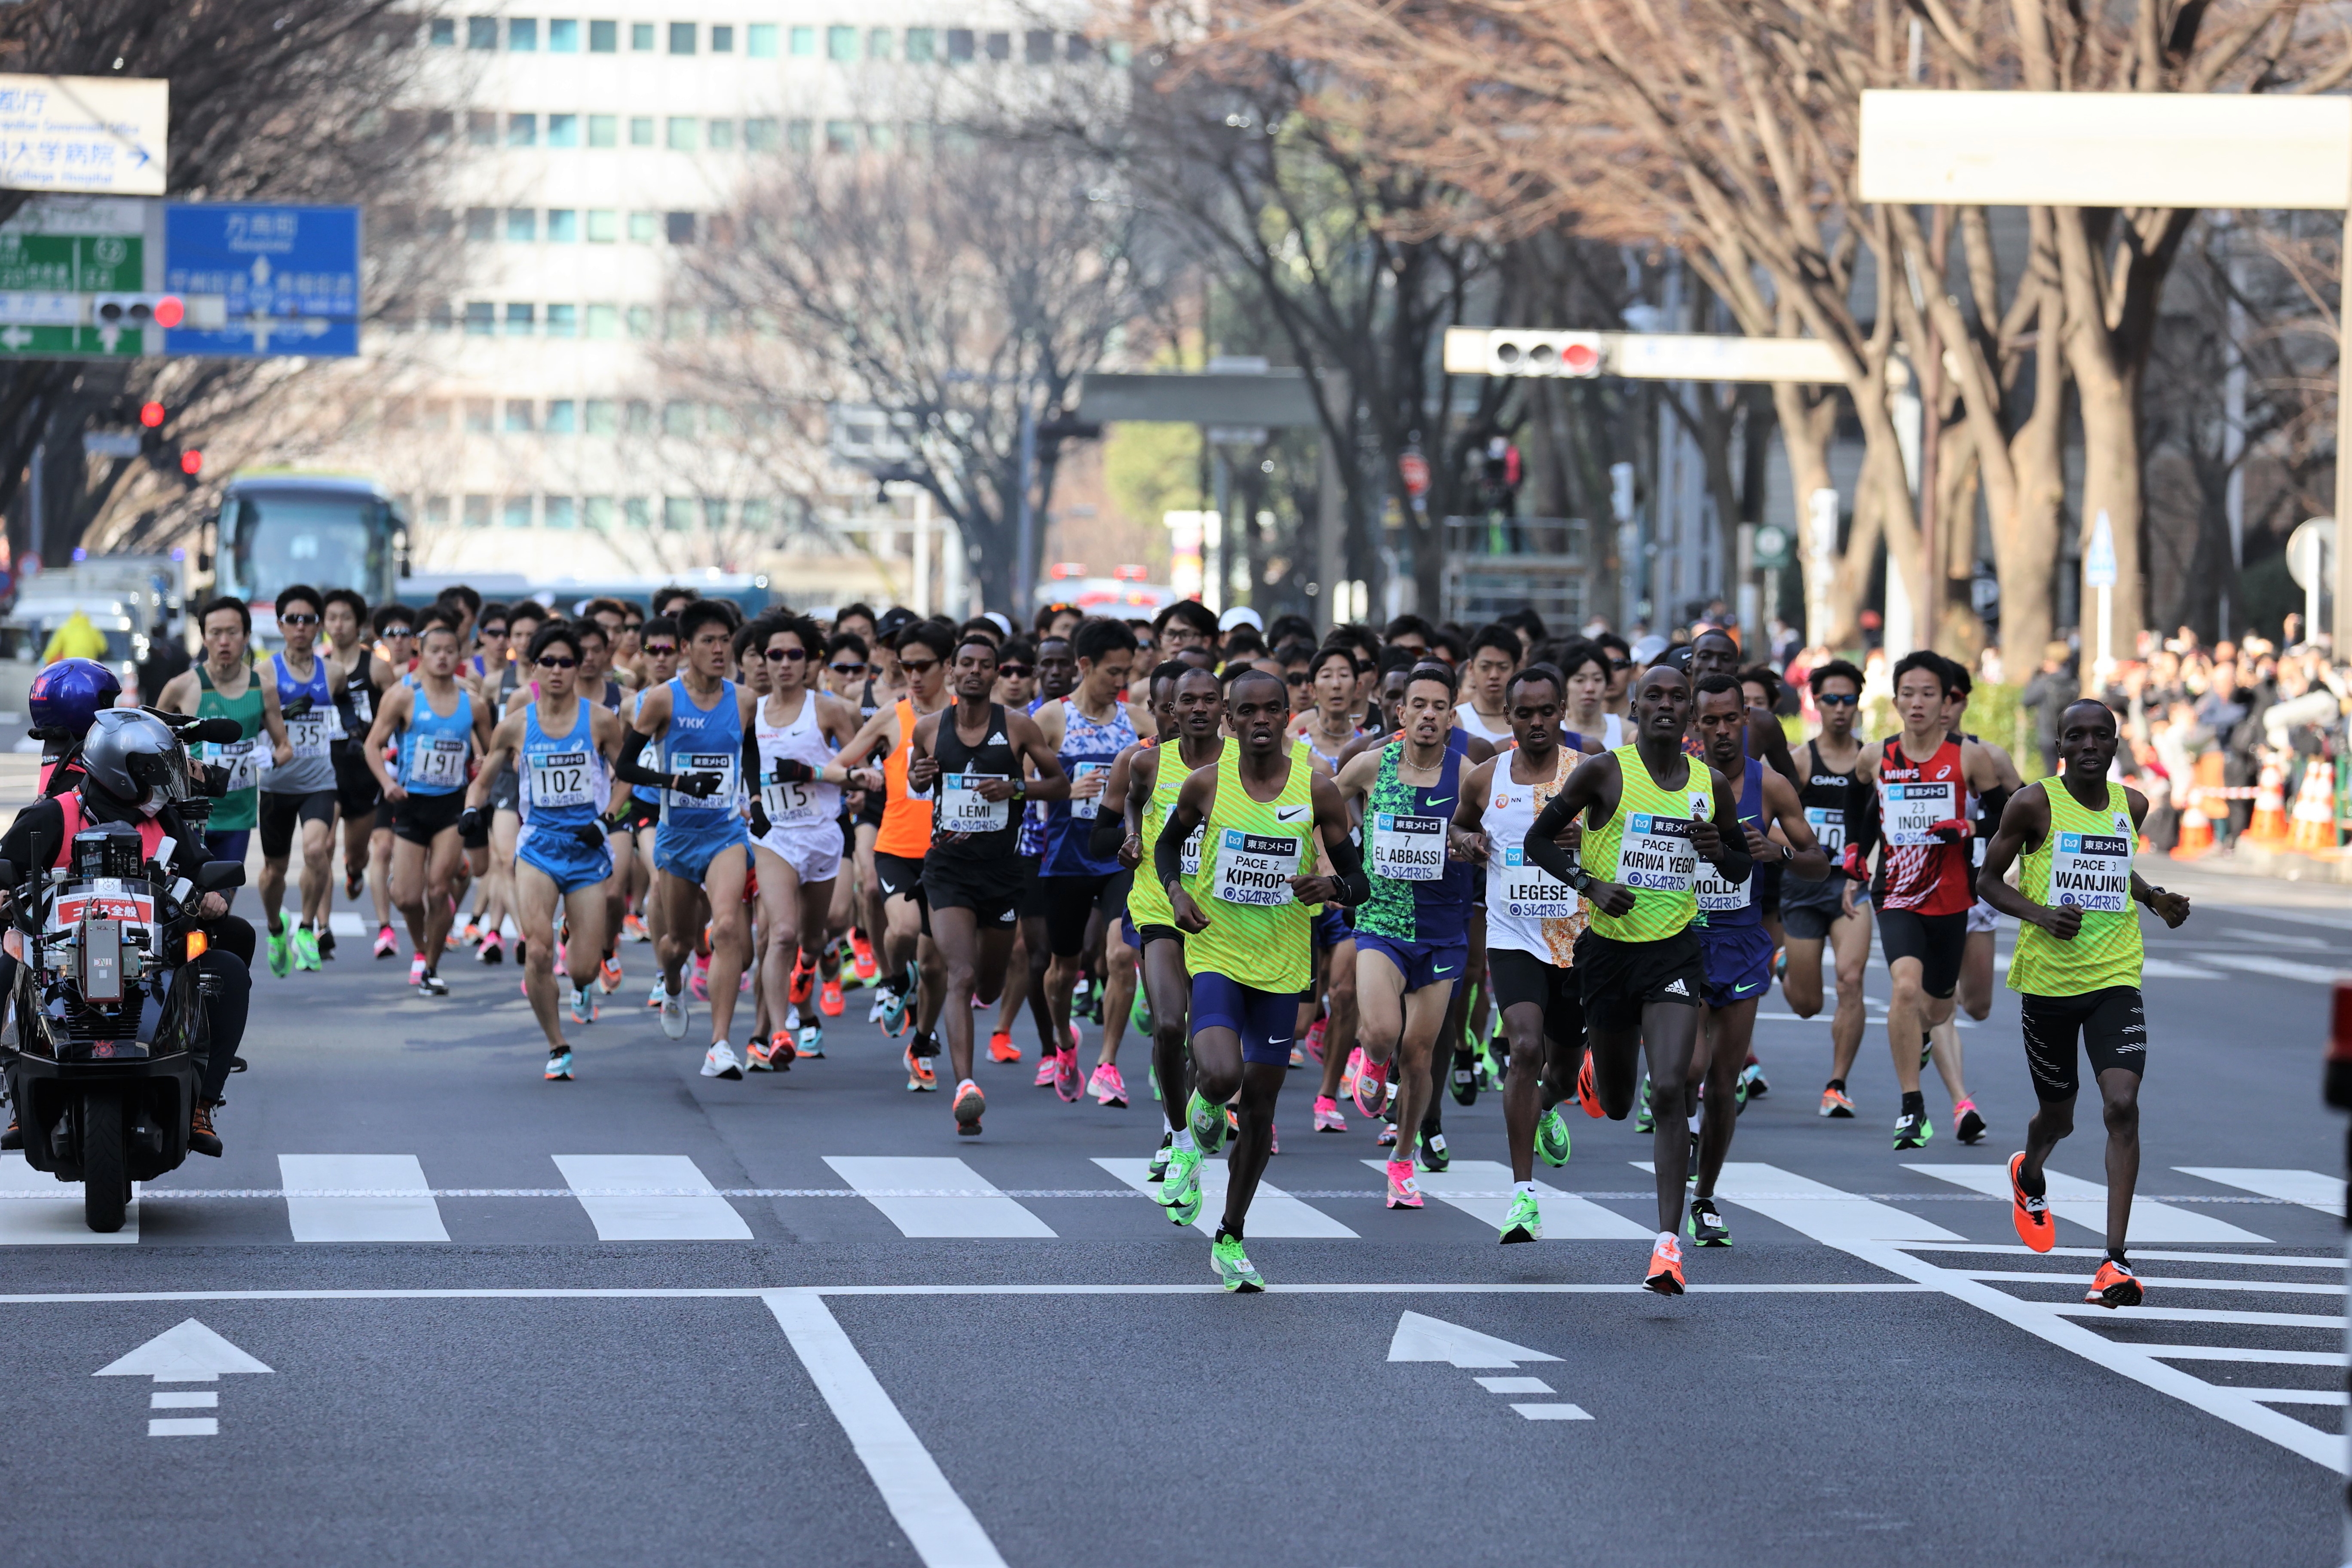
x: 1617, y: 979
x: 2114, y: 1031
x: 1938, y: 941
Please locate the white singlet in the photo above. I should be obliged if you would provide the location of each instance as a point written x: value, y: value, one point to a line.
x: 1527, y: 909
x: 804, y: 826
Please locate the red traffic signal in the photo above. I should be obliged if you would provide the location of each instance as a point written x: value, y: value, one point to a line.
x: 191, y: 462
x: 151, y: 414
x: 169, y: 310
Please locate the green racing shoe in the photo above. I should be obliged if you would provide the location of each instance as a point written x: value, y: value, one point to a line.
x: 1551, y: 1137
x: 1234, y: 1269
x: 281, y: 954
x: 1179, y: 1188
x: 1208, y: 1124
x: 1525, y: 1222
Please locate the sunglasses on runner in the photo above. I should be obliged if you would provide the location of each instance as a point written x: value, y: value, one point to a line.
x: 552, y: 661
x: 1620, y: 663
x: 783, y: 655
x: 494, y: 631
x: 915, y: 668
x: 661, y: 649
x: 846, y: 670
x: 1830, y: 699
x: 297, y: 620
x: 391, y: 632
x: 1014, y: 671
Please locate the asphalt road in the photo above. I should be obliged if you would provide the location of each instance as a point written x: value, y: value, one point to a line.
x: 673, y: 1320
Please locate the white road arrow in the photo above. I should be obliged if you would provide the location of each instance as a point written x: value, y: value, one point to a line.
x: 188, y: 1353
x: 1419, y: 1338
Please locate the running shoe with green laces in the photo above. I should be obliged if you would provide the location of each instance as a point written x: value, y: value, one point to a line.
x: 281, y: 954
x: 1179, y: 1188
x: 306, y: 949
x: 1465, y: 1076
x: 1234, y: 1269
x: 1525, y: 1222
x: 1642, y: 1120
x: 1208, y: 1124
x: 1139, y: 1014
x: 1705, y: 1225
x: 1551, y: 1137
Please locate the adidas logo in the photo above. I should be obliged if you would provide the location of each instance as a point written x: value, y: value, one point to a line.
x: 1677, y: 988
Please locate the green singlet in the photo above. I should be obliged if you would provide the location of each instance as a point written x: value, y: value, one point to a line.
x: 1258, y: 935
x: 1645, y: 846
x: 240, y: 807
x: 2085, y: 860
x: 1147, y: 900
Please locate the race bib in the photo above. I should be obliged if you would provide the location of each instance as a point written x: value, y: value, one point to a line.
x: 720, y: 762
x: 1189, y: 855
x: 1828, y: 822
x: 1408, y: 848
x: 362, y: 705
x: 961, y: 809
x: 1715, y: 893
x: 438, y: 761
x: 1655, y: 854
x: 241, y: 758
x: 561, y: 778
x: 309, y: 734
x: 1913, y: 808
x: 1530, y: 892
x: 790, y: 804
x: 1084, y: 810
x: 2091, y: 872
x: 1255, y: 869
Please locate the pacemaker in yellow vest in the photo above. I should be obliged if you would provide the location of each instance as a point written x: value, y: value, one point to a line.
x: 1645, y: 846
x: 1258, y: 933
x: 2084, y: 861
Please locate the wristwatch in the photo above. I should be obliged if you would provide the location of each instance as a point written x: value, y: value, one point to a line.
x: 1787, y: 854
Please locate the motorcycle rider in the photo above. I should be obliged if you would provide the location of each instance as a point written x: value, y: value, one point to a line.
x: 134, y: 769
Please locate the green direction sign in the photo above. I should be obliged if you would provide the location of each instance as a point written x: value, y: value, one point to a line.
x: 56, y: 248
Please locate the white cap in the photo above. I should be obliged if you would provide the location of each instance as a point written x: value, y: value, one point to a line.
x: 1647, y: 651
x: 1002, y: 624
x: 1241, y: 615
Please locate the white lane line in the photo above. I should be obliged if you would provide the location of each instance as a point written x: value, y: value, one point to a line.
x: 1566, y: 1216
x: 1273, y: 1212
x: 2085, y: 1204
x: 2283, y: 968
x: 634, y: 1197
x: 937, y: 1524
x: 54, y: 1218
x: 977, y: 1207
x: 2163, y: 1281
x: 731, y: 1292
x: 1812, y: 1208
x: 1552, y: 1412
x: 2310, y: 1188
x: 2294, y: 1395
x: 2245, y: 1353
x: 2252, y: 1259
x: 184, y: 1401
x: 2332, y: 1320
x: 1514, y: 1385
x: 413, y: 1216
x: 2279, y: 939
x: 2167, y: 969
x: 183, y: 1426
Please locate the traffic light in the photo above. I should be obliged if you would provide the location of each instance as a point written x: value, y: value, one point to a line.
x: 134, y: 311
x: 151, y: 415
x: 160, y: 448
x: 191, y: 462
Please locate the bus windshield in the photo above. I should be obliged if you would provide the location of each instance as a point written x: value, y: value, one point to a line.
x: 275, y: 540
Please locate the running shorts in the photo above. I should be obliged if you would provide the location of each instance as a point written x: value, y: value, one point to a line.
x: 953, y: 883
x: 687, y: 856
x: 1768, y: 887
x: 1735, y: 962
x: 1071, y: 903
x: 229, y: 845
x: 901, y: 876
x: 1422, y: 963
x: 1808, y: 910
x: 1981, y: 917
x: 1263, y: 1019
x: 1520, y: 978
x: 422, y: 818
x: 813, y: 852
x: 505, y: 790
x: 280, y: 812
x: 1617, y: 979
x: 2114, y: 1031
x: 558, y: 853
x: 1139, y: 936
x: 1938, y: 941
x: 639, y: 816
x: 1331, y: 926
x: 356, y: 790
x: 1033, y: 887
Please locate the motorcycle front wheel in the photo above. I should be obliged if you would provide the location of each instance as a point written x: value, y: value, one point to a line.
x: 105, y: 1161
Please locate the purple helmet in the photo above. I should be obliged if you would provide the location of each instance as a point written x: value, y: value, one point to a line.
x: 67, y: 696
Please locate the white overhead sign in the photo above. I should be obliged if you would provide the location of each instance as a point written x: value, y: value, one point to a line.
x: 2106, y: 149
x: 104, y: 135
x: 1641, y: 356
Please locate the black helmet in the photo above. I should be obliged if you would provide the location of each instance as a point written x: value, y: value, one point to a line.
x: 134, y: 759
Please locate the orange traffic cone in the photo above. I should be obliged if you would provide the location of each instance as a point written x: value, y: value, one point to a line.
x: 2196, y: 832
x: 2315, y: 810
x: 2269, y: 826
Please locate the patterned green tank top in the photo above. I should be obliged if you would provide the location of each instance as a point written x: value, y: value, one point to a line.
x: 2085, y: 860
x: 1147, y: 900
x: 240, y: 807
x: 1646, y: 844
x: 1258, y: 934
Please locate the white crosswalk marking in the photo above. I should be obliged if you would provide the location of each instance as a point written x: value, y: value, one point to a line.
x: 1273, y: 1212
x: 2310, y: 1188
x: 2283, y: 968
x: 1566, y: 1216
x: 637, y: 1198
x: 55, y: 1217
x: 955, y: 1200
x: 405, y: 1213
x: 2085, y: 1204
x: 1812, y: 1208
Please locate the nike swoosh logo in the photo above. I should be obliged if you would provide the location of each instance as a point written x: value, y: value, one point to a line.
x: 1443, y: 969
x: 1290, y: 813
x: 1438, y: 799
x: 1744, y: 990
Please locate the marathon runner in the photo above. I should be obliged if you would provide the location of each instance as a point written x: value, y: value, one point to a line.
x: 298, y: 793
x: 439, y: 727
x: 2077, y: 971
x: 1495, y: 653
x: 221, y: 685
x: 565, y: 750
x: 1974, y: 994
x: 1055, y: 667
x: 395, y: 630
x: 1652, y: 813
x: 347, y: 630
x: 500, y: 688
x: 974, y: 754
x: 634, y: 815
x: 1248, y: 945
x: 1834, y: 787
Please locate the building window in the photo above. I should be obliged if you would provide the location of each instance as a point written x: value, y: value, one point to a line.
x: 960, y: 43
x: 604, y: 321
x: 920, y: 45
x: 562, y: 320
x: 522, y: 34
x: 563, y: 130
x: 522, y: 320
x: 522, y: 130
x: 759, y: 40
x: 714, y: 514
x: 877, y: 43
x: 443, y: 32
x: 755, y: 515
x: 720, y: 419
x: 478, y: 511
x: 677, y: 418
x: 520, y: 421
x: 601, y: 417
x: 641, y: 36
x: 479, y: 414
x: 641, y: 320
x: 481, y: 321
x: 678, y: 227
x: 681, y: 38
x: 603, y: 130
x: 803, y: 41
x: 841, y: 44
x: 721, y: 133
x: 481, y: 129
x: 643, y: 227
x: 1080, y: 48
x: 558, y: 508
x: 722, y: 40
x: 682, y: 138
x: 522, y: 225
x: 641, y: 131
x: 841, y: 136
x: 800, y: 135
x: 436, y: 512
x: 563, y: 226
x: 518, y: 511
x: 563, y: 38
x: 880, y: 137
x: 1000, y: 46
x: 638, y: 417
x: 442, y: 318
x: 563, y: 419
x: 677, y: 514
x: 640, y: 512
x: 1037, y: 47
x: 604, y: 225
x: 481, y: 224
x: 597, y: 512
x: 604, y: 37
x: 760, y: 136
x: 481, y: 32
x: 435, y: 415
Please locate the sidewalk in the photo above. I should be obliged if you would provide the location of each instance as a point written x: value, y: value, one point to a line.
x: 2275, y: 863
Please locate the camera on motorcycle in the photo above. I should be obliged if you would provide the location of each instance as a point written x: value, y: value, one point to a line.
x: 111, y: 850
x: 219, y: 876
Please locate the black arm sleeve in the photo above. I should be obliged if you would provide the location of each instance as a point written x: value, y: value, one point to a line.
x: 748, y: 764
x: 1862, y: 822
x: 1347, y: 861
x: 1736, y: 862
x: 628, y: 770
x: 1167, y: 854
x: 1109, y: 830
x: 1551, y: 822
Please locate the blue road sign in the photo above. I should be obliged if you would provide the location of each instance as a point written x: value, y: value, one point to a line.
x: 290, y: 276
